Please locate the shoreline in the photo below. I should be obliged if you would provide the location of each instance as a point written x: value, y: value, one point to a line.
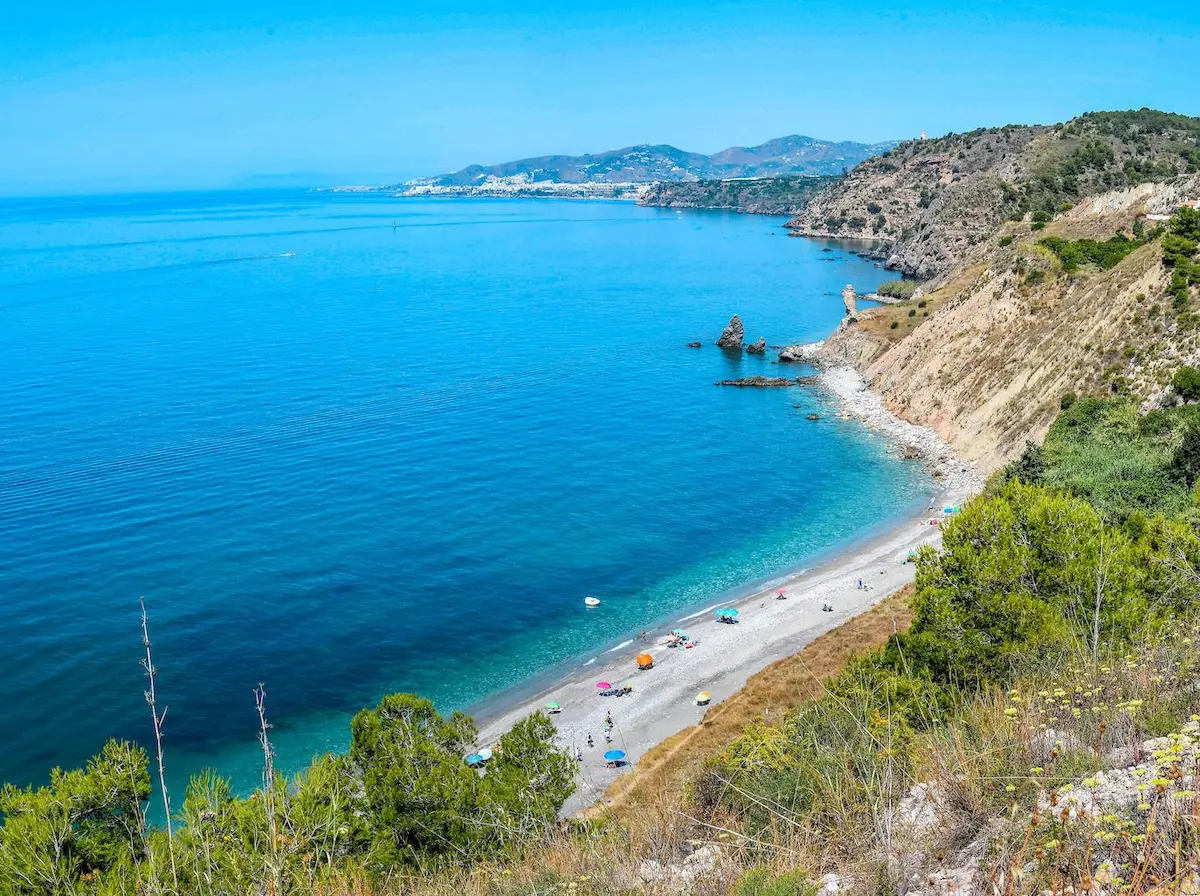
x: 725, y: 656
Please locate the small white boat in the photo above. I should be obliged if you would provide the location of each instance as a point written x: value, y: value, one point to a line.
x: 591, y: 601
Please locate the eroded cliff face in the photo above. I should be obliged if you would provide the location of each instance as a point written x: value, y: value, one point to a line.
x: 999, y: 340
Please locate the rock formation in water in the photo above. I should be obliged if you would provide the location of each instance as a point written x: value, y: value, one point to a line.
x: 693, y: 345
x: 734, y: 334
x: 759, y: 381
x: 850, y: 300
x: 759, y: 348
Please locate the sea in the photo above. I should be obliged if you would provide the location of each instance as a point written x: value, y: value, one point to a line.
x: 347, y: 444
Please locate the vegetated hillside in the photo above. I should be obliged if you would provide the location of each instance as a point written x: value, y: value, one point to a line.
x: 649, y: 164
x: 928, y: 203
x: 759, y: 195
x: 987, y: 352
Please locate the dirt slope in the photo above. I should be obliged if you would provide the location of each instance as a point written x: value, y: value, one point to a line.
x: 998, y: 341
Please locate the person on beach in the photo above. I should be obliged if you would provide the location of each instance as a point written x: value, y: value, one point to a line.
x: 644, y: 634
x: 608, y: 719
x: 860, y: 584
x: 590, y: 742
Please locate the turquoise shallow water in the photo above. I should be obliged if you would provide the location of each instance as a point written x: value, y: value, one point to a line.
x: 396, y: 459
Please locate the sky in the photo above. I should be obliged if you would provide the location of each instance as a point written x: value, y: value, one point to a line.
x: 135, y: 96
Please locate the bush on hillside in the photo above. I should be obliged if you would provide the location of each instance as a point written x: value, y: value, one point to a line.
x: 1009, y: 585
x: 1075, y: 253
x: 1029, y: 468
x: 898, y: 289
x: 1186, y: 383
x: 1185, y: 461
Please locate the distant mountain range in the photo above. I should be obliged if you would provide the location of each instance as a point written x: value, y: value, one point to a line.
x: 655, y: 164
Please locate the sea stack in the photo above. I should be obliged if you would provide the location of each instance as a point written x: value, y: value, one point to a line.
x: 759, y: 348
x: 734, y: 334
x: 850, y: 300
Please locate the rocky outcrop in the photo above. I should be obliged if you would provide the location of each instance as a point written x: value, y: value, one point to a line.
x: 759, y: 381
x: 733, y: 335
x: 758, y: 348
x: 754, y: 196
x: 693, y: 345
x: 800, y: 354
x: 850, y: 300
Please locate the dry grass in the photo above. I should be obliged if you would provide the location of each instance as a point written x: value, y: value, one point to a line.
x: 878, y: 321
x: 780, y: 687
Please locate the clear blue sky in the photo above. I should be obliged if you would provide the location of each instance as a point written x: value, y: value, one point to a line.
x: 111, y: 96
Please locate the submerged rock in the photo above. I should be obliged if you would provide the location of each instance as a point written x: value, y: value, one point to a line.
x: 733, y: 335
x: 758, y: 381
x: 693, y: 345
x: 813, y: 417
x: 759, y: 348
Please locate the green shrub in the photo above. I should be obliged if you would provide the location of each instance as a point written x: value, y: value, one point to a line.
x: 1185, y: 461
x: 1067, y: 400
x: 1006, y: 241
x: 1074, y: 253
x: 762, y: 882
x: 898, y: 289
x: 893, y: 325
x: 1186, y: 383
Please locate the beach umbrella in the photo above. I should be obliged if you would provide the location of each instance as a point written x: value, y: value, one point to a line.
x: 678, y: 631
x: 553, y: 706
x: 485, y: 754
x: 474, y: 759
x: 603, y: 684
x: 703, y: 697
x: 645, y: 661
x: 614, y: 755
x: 728, y: 612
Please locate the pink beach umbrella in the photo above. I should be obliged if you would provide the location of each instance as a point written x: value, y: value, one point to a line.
x: 603, y: 684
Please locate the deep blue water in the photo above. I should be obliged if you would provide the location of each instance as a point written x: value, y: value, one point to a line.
x: 397, y: 460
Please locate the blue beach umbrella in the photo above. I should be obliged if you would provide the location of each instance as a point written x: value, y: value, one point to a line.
x: 614, y: 755
x: 727, y: 611
x: 474, y: 759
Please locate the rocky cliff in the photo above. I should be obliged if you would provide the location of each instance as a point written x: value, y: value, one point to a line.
x: 985, y: 356
x: 755, y: 196
x: 928, y: 203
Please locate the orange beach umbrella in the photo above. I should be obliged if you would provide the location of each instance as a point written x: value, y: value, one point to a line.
x: 645, y: 661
